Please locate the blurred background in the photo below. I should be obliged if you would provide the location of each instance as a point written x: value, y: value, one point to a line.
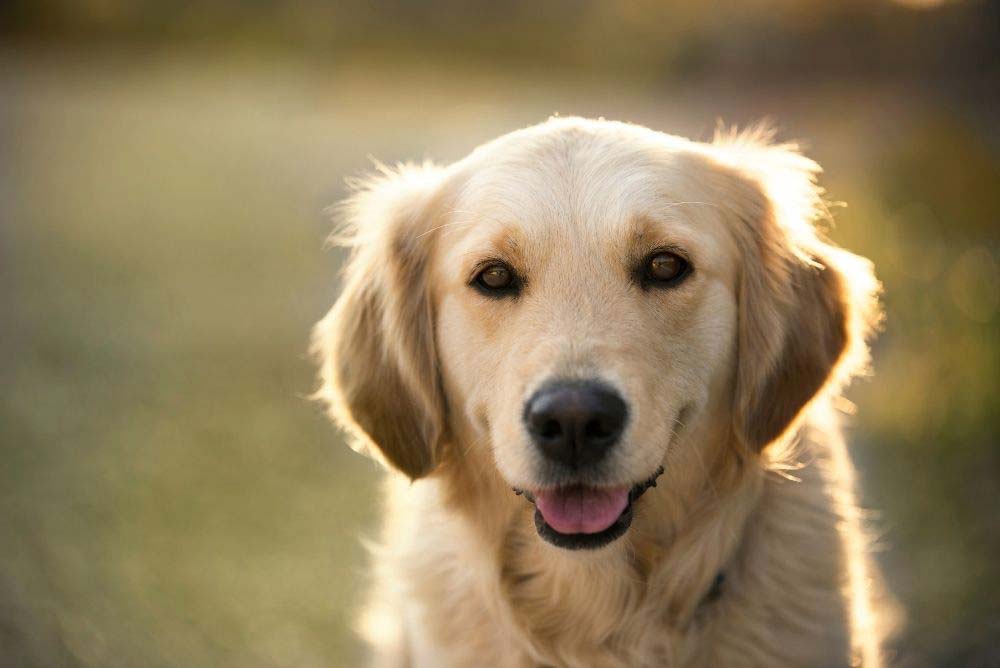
x: 169, y: 497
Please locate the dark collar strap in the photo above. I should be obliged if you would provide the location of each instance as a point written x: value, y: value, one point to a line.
x: 715, y: 591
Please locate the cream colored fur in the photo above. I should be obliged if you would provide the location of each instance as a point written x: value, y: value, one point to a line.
x: 731, y: 380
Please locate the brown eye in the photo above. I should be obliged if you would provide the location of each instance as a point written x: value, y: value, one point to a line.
x: 665, y: 267
x: 496, y: 278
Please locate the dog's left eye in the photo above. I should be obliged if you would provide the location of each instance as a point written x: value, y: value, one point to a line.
x: 496, y: 279
x: 665, y: 268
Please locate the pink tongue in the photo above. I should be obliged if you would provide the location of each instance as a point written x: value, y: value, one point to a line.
x: 581, y: 509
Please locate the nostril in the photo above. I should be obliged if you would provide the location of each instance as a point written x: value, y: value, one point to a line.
x: 602, y: 427
x: 550, y: 429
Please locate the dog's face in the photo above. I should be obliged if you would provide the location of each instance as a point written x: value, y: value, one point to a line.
x: 575, y: 299
x: 586, y: 311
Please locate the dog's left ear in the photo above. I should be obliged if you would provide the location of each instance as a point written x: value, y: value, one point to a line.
x: 806, y: 307
x: 376, y: 347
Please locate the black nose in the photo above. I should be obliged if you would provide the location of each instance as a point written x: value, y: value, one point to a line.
x: 575, y: 422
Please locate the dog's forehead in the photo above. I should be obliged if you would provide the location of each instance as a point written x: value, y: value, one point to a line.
x: 542, y: 201
x: 583, y: 190
x: 566, y: 178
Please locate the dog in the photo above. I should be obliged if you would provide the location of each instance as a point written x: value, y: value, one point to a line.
x: 604, y: 367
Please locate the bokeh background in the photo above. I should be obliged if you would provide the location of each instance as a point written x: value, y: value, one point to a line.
x: 169, y: 496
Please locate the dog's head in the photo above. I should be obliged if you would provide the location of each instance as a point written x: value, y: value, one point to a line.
x: 580, y: 299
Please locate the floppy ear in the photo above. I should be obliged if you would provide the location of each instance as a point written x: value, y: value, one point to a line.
x: 376, y: 348
x: 806, y: 307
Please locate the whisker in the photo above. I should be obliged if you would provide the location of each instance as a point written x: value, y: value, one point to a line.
x: 444, y: 225
x: 675, y: 204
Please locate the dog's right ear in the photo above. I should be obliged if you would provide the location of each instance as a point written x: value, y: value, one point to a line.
x: 379, y: 370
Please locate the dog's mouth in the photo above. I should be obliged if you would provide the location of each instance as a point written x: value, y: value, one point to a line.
x: 579, y: 517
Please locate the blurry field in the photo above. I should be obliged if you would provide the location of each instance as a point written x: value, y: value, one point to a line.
x: 168, y: 497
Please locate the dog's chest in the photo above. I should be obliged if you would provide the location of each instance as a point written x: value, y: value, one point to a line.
x: 594, y: 613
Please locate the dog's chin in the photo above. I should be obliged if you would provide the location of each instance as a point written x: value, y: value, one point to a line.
x: 578, y: 517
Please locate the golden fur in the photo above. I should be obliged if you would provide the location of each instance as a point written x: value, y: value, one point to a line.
x: 731, y: 380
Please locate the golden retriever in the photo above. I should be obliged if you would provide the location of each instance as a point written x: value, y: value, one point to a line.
x: 601, y: 363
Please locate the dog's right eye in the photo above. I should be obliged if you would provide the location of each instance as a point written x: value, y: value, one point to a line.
x: 496, y: 279
x: 665, y: 269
